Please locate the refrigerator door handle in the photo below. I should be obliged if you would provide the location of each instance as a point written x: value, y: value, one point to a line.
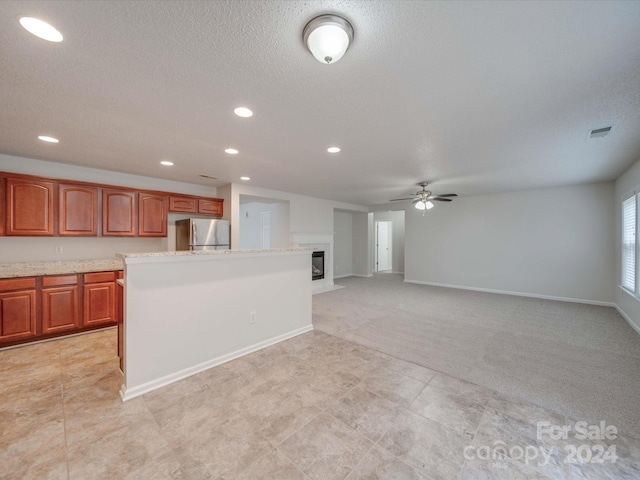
x: 193, y: 233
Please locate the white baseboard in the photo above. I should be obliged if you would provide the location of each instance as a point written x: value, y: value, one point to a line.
x: 517, y: 294
x: 631, y: 323
x: 335, y: 277
x: 363, y: 276
x: 130, y: 393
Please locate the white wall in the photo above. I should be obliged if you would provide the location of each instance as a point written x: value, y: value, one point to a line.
x: 397, y: 220
x: 627, y: 304
x: 555, y: 242
x: 306, y: 214
x: 251, y: 224
x: 187, y: 313
x: 23, y: 249
x: 362, y: 247
x: 342, y: 244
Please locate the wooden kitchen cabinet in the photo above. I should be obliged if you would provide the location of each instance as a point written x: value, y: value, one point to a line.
x: 152, y: 215
x: 60, y: 304
x: 119, y: 213
x: 29, y: 207
x: 18, y: 313
x: 99, y: 299
x: 2, y: 202
x: 183, y: 204
x: 212, y: 206
x: 77, y: 210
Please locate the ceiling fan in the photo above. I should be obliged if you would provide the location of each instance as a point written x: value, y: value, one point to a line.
x: 422, y: 198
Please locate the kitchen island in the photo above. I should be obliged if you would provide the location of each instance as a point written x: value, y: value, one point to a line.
x: 185, y: 312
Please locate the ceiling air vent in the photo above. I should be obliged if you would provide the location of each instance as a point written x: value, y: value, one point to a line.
x: 599, y: 132
x: 209, y: 176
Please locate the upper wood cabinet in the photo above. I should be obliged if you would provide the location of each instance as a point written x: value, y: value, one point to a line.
x: 29, y: 207
x: 2, y: 201
x: 50, y: 207
x: 119, y: 213
x: 212, y: 206
x: 77, y: 210
x: 152, y: 215
x: 183, y: 204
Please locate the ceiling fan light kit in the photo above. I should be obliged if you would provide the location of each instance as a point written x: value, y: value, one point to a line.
x: 328, y: 37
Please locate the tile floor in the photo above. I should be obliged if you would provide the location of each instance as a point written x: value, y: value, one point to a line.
x: 312, y: 408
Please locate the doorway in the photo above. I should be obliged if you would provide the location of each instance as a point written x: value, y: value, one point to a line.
x: 384, y: 247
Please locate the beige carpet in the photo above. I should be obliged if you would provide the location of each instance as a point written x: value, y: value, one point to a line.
x: 582, y: 361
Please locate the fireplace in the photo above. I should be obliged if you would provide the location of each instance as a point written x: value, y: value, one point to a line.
x: 317, y: 266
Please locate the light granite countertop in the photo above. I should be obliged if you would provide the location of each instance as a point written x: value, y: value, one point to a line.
x: 187, y: 253
x: 35, y: 269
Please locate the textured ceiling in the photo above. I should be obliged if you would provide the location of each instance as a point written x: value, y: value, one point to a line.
x: 477, y: 97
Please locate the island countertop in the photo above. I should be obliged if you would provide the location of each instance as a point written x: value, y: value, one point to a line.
x: 60, y: 267
x: 185, y: 254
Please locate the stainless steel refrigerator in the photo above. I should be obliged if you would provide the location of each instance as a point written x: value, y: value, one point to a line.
x: 202, y: 234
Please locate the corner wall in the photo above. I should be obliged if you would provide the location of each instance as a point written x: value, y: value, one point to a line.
x: 553, y: 243
x: 342, y: 244
x: 626, y: 304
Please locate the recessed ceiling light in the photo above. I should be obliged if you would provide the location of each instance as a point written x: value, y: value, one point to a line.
x: 41, y: 29
x: 243, y: 112
x: 333, y: 149
x: 44, y: 138
x: 245, y: 178
x: 231, y: 151
x: 166, y: 163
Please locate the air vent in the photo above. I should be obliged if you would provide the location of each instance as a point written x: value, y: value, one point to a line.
x: 599, y: 132
x: 209, y: 176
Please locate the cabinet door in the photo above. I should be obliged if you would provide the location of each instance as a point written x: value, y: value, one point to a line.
x: 60, y: 309
x: 152, y: 215
x: 17, y: 315
x: 183, y: 204
x: 78, y: 210
x: 29, y: 207
x: 99, y: 304
x: 119, y: 213
x: 210, y: 206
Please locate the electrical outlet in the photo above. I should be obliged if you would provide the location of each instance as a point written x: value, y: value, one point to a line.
x: 59, y: 248
x: 252, y: 318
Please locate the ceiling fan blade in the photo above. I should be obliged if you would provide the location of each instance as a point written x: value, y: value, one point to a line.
x: 447, y: 195
x: 439, y: 199
x: 398, y: 199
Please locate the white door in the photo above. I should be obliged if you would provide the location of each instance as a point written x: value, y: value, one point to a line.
x: 383, y: 246
x: 265, y: 221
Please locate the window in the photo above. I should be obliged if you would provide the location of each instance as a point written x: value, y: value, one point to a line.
x: 629, y: 244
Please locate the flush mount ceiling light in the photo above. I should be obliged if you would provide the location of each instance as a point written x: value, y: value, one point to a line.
x: 44, y: 138
x: 40, y: 29
x: 243, y: 112
x: 245, y: 178
x: 333, y: 149
x: 166, y: 163
x: 328, y: 37
x: 231, y: 151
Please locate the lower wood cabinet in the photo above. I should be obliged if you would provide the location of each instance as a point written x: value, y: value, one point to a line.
x: 32, y: 308
x: 99, y: 304
x: 60, y: 304
x: 18, y: 319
